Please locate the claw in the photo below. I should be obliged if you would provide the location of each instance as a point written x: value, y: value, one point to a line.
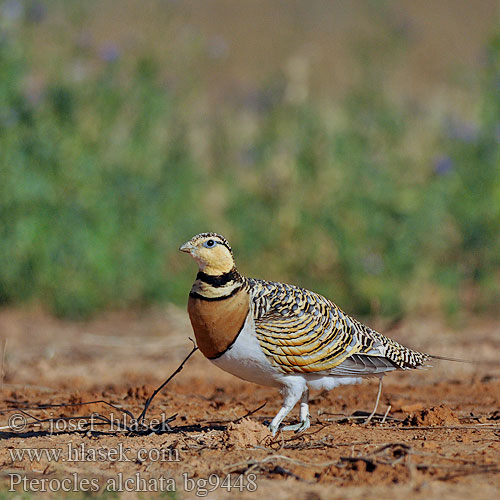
x: 273, y: 429
x: 300, y: 427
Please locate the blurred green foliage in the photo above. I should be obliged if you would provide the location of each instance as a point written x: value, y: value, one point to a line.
x: 105, y: 172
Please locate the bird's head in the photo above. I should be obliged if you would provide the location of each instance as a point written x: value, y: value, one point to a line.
x: 212, y: 253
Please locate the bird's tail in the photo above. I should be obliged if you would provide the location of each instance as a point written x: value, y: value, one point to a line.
x: 469, y: 361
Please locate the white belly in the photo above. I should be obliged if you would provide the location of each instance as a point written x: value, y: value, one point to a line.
x: 246, y: 360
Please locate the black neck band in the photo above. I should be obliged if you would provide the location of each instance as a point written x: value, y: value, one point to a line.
x: 220, y: 280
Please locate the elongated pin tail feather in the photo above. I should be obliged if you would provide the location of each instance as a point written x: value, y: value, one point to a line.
x: 469, y: 361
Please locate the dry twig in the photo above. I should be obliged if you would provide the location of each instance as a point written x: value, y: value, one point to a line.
x: 136, y: 426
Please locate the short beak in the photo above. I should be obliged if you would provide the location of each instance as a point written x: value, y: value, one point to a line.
x: 187, y: 247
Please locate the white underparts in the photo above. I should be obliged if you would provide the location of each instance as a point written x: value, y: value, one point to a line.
x: 246, y: 360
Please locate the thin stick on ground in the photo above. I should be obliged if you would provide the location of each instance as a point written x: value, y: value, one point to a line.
x: 67, y: 405
x: 251, y: 412
x: 104, y: 419
x: 156, y: 391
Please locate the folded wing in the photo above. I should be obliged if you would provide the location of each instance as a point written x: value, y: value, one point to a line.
x: 303, y: 332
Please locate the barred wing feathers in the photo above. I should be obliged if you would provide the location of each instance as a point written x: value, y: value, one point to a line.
x: 303, y: 332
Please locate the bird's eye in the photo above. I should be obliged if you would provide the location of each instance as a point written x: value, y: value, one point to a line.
x: 210, y: 243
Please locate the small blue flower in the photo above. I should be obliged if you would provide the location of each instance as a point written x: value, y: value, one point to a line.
x: 12, y: 10
x: 443, y: 165
x: 110, y: 53
x: 462, y: 131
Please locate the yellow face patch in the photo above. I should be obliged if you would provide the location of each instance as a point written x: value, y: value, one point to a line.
x: 211, y: 253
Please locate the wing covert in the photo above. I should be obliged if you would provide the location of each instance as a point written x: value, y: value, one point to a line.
x: 301, y: 331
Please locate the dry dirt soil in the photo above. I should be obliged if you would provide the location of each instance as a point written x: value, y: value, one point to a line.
x: 440, y: 437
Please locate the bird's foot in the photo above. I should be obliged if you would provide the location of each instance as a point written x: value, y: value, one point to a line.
x: 300, y: 427
x: 369, y: 418
x: 273, y: 429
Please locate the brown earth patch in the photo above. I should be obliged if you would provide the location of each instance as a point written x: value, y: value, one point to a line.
x: 435, y: 416
x: 246, y: 433
x: 440, y: 439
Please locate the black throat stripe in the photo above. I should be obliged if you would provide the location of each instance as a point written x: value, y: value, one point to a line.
x: 220, y: 280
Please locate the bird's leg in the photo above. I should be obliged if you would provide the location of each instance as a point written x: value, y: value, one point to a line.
x: 367, y: 421
x: 305, y: 421
x: 292, y: 394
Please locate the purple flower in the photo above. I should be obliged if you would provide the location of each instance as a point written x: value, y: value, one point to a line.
x: 443, y: 165
x: 12, y: 10
x: 110, y: 53
x: 462, y: 131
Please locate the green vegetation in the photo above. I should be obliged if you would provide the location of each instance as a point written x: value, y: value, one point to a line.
x: 106, y: 169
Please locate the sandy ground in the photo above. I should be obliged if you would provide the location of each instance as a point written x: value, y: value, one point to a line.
x: 440, y: 438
